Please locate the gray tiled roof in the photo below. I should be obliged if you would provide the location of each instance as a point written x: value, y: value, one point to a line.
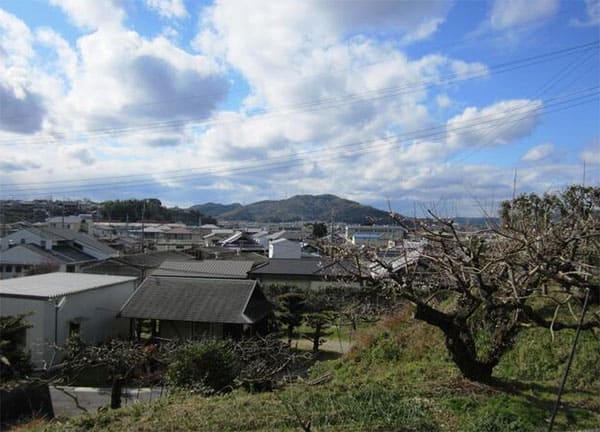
x: 298, y: 267
x: 197, y: 300
x: 208, y: 269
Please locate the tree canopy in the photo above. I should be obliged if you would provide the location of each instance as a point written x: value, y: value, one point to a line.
x: 481, y: 288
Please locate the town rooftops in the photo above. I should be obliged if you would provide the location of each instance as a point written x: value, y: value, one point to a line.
x: 225, y: 269
x: 51, y: 285
x: 197, y: 300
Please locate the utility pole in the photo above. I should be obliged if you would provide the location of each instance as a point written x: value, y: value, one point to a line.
x: 514, y: 195
x: 143, y: 215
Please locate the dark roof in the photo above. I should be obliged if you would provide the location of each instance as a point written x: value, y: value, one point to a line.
x: 59, y: 255
x: 113, y: 266
x: 313, y: 267
x: 154, y: 259
x: 298, y: 267
x: 208, y: 268
x: 197, y: 300
x: 58, y: 234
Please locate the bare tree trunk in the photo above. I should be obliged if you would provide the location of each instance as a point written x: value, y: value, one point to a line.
x: 317, y: 337
x: 115, y: 393
x: 460, y: 344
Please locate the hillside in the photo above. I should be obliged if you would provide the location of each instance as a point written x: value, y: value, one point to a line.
x: 298, y: 208
x: 397, y: 377
x: 215, y: 209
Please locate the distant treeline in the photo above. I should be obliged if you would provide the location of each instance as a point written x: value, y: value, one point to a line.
x: 134, y: 210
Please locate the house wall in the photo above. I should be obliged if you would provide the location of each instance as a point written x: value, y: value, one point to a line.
x: 94, y: 310
x: 189, y: 330
x: 38, y: 338
x: 285, y: 249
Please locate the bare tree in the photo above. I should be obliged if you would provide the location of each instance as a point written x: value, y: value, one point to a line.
x: 482, y: 288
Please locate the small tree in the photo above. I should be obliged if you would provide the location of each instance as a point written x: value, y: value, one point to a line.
x: 319, y: 230
x: 290, y: 309
x: 208, y: 366
x: 121, y: 360
x: 14, y: 360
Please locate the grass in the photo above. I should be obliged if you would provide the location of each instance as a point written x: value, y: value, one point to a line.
x: 397, y: 377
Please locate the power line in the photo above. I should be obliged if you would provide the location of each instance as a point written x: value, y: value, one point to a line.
x: 333, y: 153
x: 326, y: 103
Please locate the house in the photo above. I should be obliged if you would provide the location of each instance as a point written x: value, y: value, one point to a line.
x: 80, y: 223
x: 192, y: 307
x: 283, y: 248
x: 138, y: 265
x: 65, y: 304
x: 26, y: 259
x: 50, y: 238
x: 220, y: 269
x: 305, y: 273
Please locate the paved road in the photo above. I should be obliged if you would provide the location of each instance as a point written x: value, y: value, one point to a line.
x: 90, y: 399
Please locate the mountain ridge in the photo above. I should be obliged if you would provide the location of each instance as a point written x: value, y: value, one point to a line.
x: 297, y: 208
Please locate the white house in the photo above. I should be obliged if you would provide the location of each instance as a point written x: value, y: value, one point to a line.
x: 64, y: 304
x: 285, y: 249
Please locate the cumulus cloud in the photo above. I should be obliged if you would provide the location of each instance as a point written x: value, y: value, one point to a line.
x: 83, y: 155
x: 510, y: 13
x: 21, y: 113
x: 539, y: 152
x: 92, y: 15
x: 168, y: 8
x: 500, y: 123
x: 592, y: 9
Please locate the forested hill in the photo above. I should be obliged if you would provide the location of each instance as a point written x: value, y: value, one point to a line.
x: 298, y: 208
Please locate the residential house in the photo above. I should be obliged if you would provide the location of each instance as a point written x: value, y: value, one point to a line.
x: 66, y: 304
x: 218, y: 269
x: 49, y: 238
x: 195, y: 307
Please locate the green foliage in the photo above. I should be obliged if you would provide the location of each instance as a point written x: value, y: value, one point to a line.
x: 207, y: 367
x: 14, y: 360
x: 505, y: 414
x: 319, y: 230
x: 134, y: 210
x: 537, y: 357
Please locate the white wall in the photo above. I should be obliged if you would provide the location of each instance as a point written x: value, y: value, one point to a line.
x: 95, y: 310
x: 285, y: 249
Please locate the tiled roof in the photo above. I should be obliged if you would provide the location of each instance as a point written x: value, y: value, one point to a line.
x: 207, y: 269
x: 197, y: 300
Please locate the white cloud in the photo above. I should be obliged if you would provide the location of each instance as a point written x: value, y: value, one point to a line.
x: 511, y: 13
x: 92, y: 15
x: 500, y: 123
x: 168, y: 8
x: 539, y: 152
x: 592, y: 9
x: 591, y: 154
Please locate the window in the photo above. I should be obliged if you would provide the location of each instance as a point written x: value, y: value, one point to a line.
x: 70, y: 268
x: 18, y: 269
x: 74, y: 329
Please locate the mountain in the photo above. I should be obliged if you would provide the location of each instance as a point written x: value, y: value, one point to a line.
x: 297, y: 208
x: 214, y: 209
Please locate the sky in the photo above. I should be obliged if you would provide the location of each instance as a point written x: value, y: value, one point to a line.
x: 452, y: 106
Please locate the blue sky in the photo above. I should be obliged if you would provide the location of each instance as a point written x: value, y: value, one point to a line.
x: 422, y: 104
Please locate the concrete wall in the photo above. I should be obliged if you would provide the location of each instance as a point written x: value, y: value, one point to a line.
x: 94, y: 310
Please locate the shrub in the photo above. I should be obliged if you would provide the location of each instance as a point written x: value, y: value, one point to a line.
x: 209, y: 366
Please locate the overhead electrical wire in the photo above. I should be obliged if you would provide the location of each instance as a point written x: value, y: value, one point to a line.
x: 415, y: 134
x: 311, y: 106
x: 361, y: 148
